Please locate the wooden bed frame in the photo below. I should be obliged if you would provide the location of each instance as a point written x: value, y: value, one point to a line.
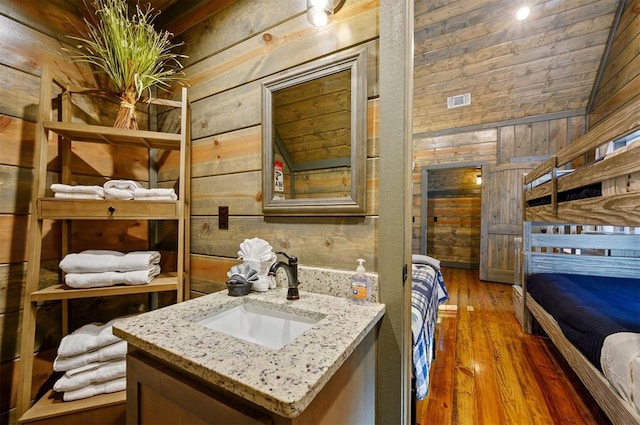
x: 556, y: 239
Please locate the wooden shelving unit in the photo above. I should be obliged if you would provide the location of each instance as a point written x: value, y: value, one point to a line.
x: 108, y: 408
x: 105, y: 408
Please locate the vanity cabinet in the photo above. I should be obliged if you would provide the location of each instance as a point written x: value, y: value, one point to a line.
x: 158, y: 392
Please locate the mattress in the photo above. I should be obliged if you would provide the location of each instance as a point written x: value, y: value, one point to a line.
x: 588, y: 308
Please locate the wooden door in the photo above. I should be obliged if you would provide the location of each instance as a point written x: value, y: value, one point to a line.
x: 501, y: 219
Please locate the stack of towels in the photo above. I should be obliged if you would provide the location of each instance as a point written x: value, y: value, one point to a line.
x: 66, y: 191
x: 98, y: 268
x: 113, y: 189
x: 93, y: 361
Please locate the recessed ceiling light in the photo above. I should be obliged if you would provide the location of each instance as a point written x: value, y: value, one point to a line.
x: 522, y: 13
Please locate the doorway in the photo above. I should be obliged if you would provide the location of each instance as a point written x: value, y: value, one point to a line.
x: 451, y: 205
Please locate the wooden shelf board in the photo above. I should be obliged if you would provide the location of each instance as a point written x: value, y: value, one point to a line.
x: 115, y: 136
x: 161, y: 283
x: 107, y: 209
x: 51, y: 405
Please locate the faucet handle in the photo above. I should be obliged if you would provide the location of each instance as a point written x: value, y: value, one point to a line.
x: 292, y: 260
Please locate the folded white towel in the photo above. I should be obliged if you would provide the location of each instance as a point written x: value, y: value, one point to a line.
x: 110, y: 352
x: 169, y: 193
x: 115, y: 385
x: 65, y: 191
x: 90, y: 366
x: 97, y: 280
x: 120, y: 189
x: 157, y: 198
x: 77, y: 189
x: 108, y: 371
x: 96, y: 261
x: 88, y: 338
x: 63, y: 195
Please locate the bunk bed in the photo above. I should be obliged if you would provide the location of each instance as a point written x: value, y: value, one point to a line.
x: 580, y: 277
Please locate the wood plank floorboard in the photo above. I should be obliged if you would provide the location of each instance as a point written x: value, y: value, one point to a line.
x: 488, y: 372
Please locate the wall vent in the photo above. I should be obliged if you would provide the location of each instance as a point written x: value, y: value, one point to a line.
x: 459, y: 100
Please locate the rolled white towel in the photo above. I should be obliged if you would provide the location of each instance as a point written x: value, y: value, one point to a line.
x: 120, y: 189
x: 110, y: 352
x: 96, y: 261
x: 97, y: 280
x: 115, y: 385
x: 87, y: 338
x: 107, y: 371
x: 160, y: 193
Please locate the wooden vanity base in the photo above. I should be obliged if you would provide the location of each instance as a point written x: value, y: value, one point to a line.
x: 159, y: 393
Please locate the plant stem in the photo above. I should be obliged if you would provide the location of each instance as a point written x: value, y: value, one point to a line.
x: 127, y: 117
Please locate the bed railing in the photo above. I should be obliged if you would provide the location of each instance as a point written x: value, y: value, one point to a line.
x: 608, y: 208
x: 576, y: 249
x: 580, y: 249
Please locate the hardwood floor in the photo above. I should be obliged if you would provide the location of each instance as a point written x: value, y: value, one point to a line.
x: 488, y: 372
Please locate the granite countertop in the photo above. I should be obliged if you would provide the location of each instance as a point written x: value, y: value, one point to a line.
x: 283, y: 381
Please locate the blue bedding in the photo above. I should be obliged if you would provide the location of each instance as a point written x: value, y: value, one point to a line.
x: 588, y: 308
x: 427, y: 292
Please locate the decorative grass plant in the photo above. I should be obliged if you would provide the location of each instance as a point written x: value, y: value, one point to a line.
x: 127, y: 48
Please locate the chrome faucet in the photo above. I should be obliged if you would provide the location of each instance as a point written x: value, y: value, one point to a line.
x: 291, y: 268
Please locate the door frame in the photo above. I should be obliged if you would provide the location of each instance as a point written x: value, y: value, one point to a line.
x: 394, y: 348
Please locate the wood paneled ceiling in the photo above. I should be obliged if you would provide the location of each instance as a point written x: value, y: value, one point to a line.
x: 58, y: 18
x: 513, y: 69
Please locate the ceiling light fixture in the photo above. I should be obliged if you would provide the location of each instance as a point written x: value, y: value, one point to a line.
x: 319, y: 11
x: 522, y: 13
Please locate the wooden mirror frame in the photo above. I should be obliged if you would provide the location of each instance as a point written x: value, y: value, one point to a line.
x: 355, y: 204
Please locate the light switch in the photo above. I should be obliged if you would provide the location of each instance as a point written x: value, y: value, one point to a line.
x: 223, y: 217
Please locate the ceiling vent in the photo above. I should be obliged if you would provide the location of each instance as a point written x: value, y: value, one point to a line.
x: 459, y: 100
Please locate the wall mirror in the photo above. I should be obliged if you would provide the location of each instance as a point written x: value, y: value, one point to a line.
x: 314, y: 138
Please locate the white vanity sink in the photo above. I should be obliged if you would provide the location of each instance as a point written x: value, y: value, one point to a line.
x: 258, y: 324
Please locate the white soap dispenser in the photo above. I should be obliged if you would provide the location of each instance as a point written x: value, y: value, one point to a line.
x: 360, y: 285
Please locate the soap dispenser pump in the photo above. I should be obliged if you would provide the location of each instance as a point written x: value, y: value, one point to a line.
x: 360, y: 285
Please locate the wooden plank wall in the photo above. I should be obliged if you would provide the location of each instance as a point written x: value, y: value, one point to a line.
x: 620, y: 82
x: 230, y: 53
x: 498, y: 145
